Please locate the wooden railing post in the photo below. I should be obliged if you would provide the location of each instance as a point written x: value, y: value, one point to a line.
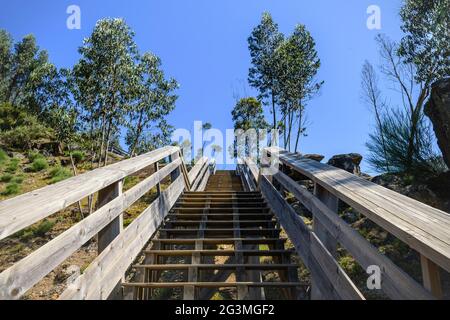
x: 113, y: 229
x: 322, y: 233
x: 158, y: 186
x: 175, y: 173
x: 431, y: 277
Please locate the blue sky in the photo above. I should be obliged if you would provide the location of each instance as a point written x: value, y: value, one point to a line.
x: 203, y: 44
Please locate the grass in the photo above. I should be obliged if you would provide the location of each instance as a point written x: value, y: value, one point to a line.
x: 78, y: 156
x: 58, y: 174
x: 7, y: 177
x: 3, y: 156
x: 38, y: 230
x: 12, y: 166
x: 12, y: 188
x: 32, y: 155
x: 39, y: 164
x: 18, y: 179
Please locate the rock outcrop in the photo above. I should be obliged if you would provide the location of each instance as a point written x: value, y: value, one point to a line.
x: 348, y: 162
x: 438, y: 110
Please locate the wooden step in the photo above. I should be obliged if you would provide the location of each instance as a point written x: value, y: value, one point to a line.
x: 231, y: 266
x: 211, y: 253
x: 212, y: 284
x: 221, y: 240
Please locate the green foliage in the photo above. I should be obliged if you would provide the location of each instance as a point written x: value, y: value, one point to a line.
x: 58, y: 174
x: 12, y: 166
x: 43, y: 227
x: 147, y: 126
x: 39, y: 164
x: 396, y: 129
x: 12, y: 116
x: 24, y: 71
x: 78, y: 156
x: 130, y: 181
x: 23, y: 136
x: 33, y: 155
x: 38, y: 230
x: 426, y: 43
x: 262, y: 43
x: 3, y: 156
x: 7, y: 177
x: 17, y: 179
x: 11, y: 189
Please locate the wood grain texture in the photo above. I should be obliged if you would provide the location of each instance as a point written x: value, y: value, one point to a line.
x: 22, y: 211
x: 422, y: 227
x: 396, y: 283
x: 17, y: 279
x: 99, y: 279
x: 332, y: 280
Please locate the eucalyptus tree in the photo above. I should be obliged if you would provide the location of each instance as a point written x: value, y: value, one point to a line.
x: 297, y: 65
x: 154, y: 100
x: 106, y: 77
x: 248, y: 117
x: 263, y: 42
x: 24, y: 69
x: 412, y: 66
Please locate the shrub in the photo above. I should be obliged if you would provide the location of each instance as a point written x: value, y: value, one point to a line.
x: 58, y: 174
x: 78, y: 156
x: 44, y: 227
x: 32, y: 155
x: 12, y: 166
x: 3, y: 156
x: 7, y: 177
x: 39, y: 164
x: 18, y: 179
x: 23, y: 137
x: 11, y: 189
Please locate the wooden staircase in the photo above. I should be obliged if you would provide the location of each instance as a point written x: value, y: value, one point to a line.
x: 221, y: 243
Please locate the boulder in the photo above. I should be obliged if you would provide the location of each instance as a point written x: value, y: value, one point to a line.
x: 438, y: 110
x: 348, y: 162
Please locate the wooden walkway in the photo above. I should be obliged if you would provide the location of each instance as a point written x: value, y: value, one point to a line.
x: 220, y: 235
x: 213, y: 233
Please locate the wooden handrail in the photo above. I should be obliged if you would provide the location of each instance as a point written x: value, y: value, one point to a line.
x: 116, y: 245
x: 22, y: 211
x: 422, y: 227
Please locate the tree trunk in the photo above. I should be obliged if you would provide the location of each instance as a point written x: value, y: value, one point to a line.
x: 108, y: 138
x: 299, y: 130
x: 138, y: 134
x: 102, y: 143
x: 75, y: 173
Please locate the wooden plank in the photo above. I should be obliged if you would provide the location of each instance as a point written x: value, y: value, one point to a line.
x: 198, y: 180
x: 99, y: 278
x: 431, y: 277
x: 193, y: 174
x: 22, y: 211
x: 202, y: 185
x: 300, y: 236
x: 214, y: 284
x: 115, y: 227
x: 422, y: 227
x: 232, y: 266
x: 17, y: 279
x: 396, y: 283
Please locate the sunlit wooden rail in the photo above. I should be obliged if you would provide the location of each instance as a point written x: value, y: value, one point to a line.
x: 117, y: 247
x: 423, y: 228
x: 201, y: 209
